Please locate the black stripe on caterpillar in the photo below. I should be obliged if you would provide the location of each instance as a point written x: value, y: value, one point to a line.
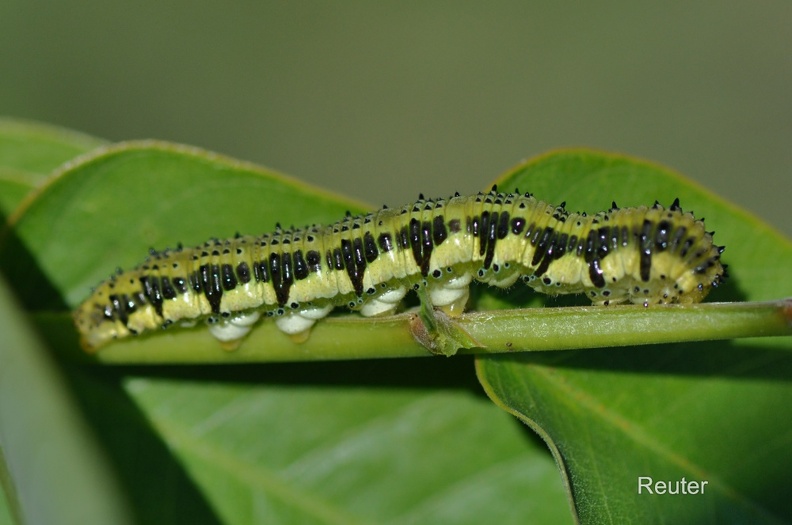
x: 642, y: 255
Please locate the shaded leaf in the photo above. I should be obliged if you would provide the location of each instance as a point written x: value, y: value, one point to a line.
x: 52, y: 470
x: 716, y: 412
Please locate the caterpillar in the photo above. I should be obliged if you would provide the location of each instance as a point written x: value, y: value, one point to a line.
x: 642, y: 255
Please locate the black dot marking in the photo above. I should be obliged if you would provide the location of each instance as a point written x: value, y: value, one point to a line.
x: 261, y: 271
x: 210, y: 284
x: 314, y: 260
x: 421, y: 242
x: 118, y: 309
x: 542, y: 245
x: 503, y: 225
x: 646, y: 246
x: 490, y: 231
x: 686, y: 246
x: 439, y: 232
x: 351, y: 256
x: 228, y: 277
x: 517, y: 225
x: 473, y: 225
x: 195, y: 282
x: 427, y: 245
x: 404, y: 238
x: 243, y: 272
x: 151, y: 289
x: 415, y: 240
x: 275, y: 269
x: 360, y: 257
x: 300, y: 266
x: 167, y: 289
x: 337, y: 259
x: 370, y: 248
x: 533, y: 233
x: 385, y: 242
x: 595, y: 274
x: 662, y: 235
x: 603, y: 246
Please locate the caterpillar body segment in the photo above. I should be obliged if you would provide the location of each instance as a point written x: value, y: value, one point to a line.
x: 643, y: 255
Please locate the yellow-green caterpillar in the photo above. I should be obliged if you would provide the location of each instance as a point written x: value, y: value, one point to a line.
x: 643, y: 255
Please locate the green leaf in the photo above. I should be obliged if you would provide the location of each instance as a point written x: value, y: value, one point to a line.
x: 50, y: 467
x: 408, y: 441
x: 29, y: 151
x: 716, y: 412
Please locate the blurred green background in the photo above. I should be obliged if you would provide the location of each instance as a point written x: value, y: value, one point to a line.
x: 383, y: 100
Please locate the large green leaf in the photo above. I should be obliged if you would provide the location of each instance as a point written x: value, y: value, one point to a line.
x: 715, y: 412
x: 390, y: 442
x: 29, y: 151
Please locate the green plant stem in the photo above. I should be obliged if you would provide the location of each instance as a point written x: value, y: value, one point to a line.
x: 499, y: 331
x: 597, y: 327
